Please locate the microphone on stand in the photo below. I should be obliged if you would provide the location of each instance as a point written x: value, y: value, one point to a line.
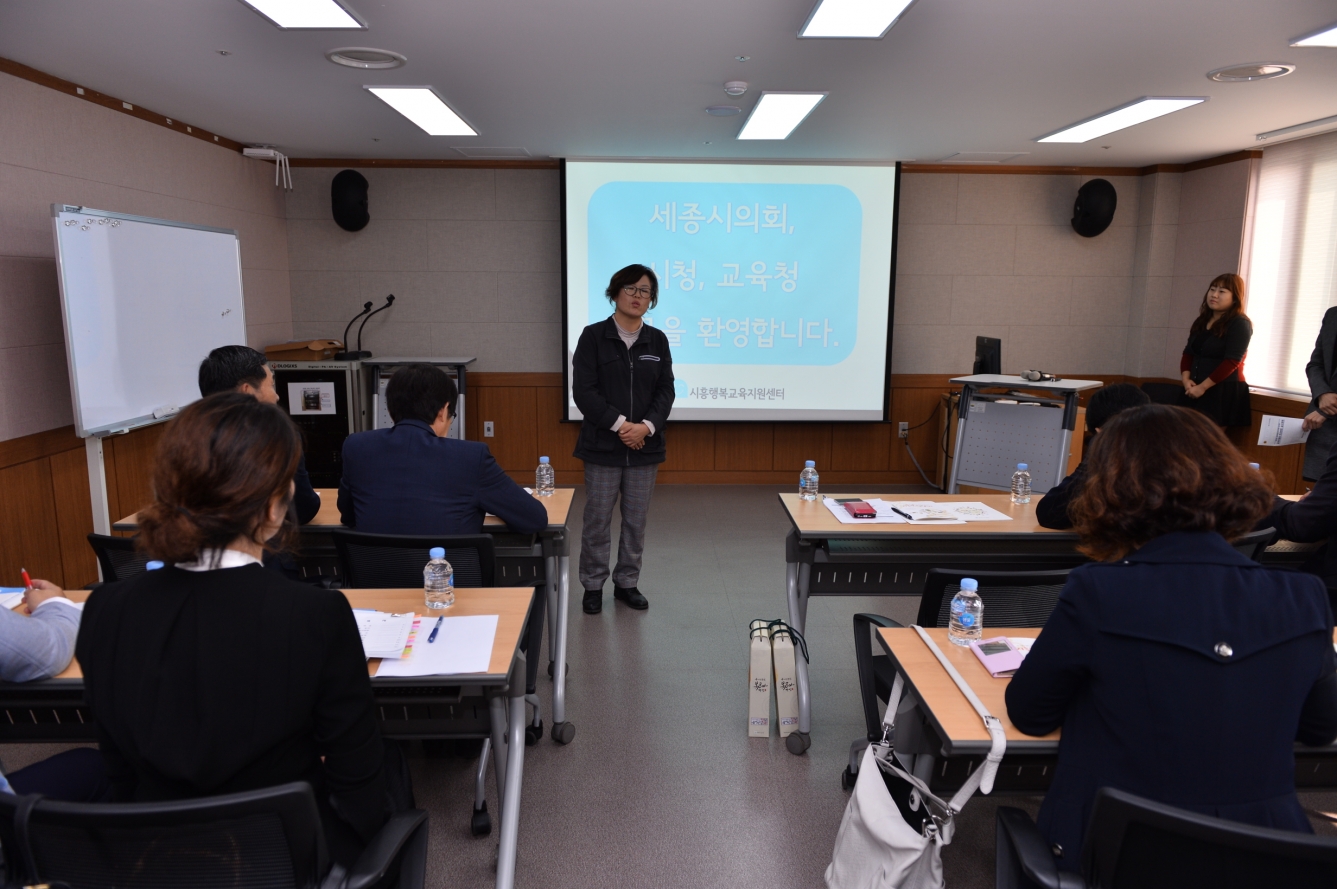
x: 345, y: 355
x: 359, y: 354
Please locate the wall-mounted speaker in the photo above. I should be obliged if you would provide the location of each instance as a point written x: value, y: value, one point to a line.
x: 1094, y: 210
x: 348, y: 200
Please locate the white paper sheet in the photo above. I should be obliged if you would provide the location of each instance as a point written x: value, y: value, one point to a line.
x: 1281, y: 431
x: 843, y: 516
x: 383, y: 635
x: 305, y: 399
x: 463, y: 645
x: 974, y: 511
x: 10, y: 597
x: 923, y: 512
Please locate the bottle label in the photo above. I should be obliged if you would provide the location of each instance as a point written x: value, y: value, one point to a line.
x: 967, y: 619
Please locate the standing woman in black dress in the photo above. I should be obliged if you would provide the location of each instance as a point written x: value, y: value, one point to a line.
x: 1212, y: 367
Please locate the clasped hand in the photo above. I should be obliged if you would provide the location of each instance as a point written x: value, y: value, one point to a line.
x: 1327, y: 407
x: 633, y: 435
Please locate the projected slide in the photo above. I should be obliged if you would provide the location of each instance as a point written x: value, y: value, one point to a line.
x: 774, y: 280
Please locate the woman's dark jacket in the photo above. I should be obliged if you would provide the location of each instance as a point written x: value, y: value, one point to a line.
x: 1183, y: 673
x: 609, y: 381
x: 1222, y: 359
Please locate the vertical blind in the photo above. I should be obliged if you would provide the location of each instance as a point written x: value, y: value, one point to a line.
x: 1292, y: 270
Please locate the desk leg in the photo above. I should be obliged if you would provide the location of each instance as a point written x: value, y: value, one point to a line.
x: 500, y: 755
x: 796, y: 582
x: 562, y: 731
x: 515, y: 768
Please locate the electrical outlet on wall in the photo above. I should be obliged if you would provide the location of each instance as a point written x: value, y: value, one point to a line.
x: 488, y: 430
x: 903, y: 430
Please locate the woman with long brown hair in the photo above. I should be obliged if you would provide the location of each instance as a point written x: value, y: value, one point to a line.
x: 1212, y: 366
x: 212, y: 675
x: 1178, y: 669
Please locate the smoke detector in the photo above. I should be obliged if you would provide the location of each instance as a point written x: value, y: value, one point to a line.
x: 735, y: 87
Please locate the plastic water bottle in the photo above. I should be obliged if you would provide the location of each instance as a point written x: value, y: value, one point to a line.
x: 967, y: 623
x: 153, y: 565
x: 807, y: 481
x: 545, y: 479
x: 1021, y: 484
x: 1254, y: 467
x: 438, y: 580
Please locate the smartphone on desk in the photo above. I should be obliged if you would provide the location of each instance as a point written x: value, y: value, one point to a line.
x: 859, y: 509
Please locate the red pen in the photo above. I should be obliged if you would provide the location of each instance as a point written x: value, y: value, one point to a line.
x: 27, y: 581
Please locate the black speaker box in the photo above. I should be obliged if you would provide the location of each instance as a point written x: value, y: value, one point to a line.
x: 348, y: 200
x: 1094, y: 210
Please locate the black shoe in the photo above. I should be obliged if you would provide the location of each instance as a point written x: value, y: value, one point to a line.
x: 632, y: 597
x: 594, y: 601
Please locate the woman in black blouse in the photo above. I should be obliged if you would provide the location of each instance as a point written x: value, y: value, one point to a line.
x: 1212, y: 367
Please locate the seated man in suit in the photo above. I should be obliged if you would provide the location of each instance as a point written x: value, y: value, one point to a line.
x: 1052, y: 510
x: 1313, y: 519
x: 411, y: 479
x: 243, y: 369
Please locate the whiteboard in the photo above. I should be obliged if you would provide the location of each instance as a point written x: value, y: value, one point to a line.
x: 144, y: 302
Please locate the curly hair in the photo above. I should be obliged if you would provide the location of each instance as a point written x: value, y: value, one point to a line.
x: 219, y: 465
x: 1156, y: 469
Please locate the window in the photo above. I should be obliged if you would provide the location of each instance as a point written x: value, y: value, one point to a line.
x: 1292, y: 271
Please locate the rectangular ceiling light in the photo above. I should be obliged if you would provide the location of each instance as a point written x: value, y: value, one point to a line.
x: 322, y: 14
x: 1144, y: 109
x: 777, y: 114
x: 1323, y: 37
x: 424, y: 107
x: 853, y: 18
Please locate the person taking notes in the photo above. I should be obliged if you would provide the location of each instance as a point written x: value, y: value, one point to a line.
x: 411, y: 479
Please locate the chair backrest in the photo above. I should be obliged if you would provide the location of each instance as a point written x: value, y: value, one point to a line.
x: 1251, y: 545
x: 390, y: 561
x: 117, y: 556
x: 1134, y: 842
x: 1011, y: 598
x: 268, y: 838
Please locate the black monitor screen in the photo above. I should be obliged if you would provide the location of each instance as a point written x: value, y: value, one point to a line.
x: 988, y: 355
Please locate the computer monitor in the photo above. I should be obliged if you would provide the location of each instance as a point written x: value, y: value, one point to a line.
x: 988, y: 355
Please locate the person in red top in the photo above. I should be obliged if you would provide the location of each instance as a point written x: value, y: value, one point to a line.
x: 1212, y: 367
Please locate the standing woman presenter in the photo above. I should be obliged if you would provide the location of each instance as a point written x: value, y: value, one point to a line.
x: 622, y: 382
x: 1212, y: 367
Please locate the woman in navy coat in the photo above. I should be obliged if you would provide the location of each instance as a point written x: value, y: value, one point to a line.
x: 1178, y: 669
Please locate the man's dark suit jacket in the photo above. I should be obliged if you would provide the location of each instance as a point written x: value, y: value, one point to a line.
x: 305, y: 500
x: 1311, y: 520
x: 1319, y: 370
x: 1184, y: 673
x: 1052, y: 509
x: 406, y: 480
x: 213, y: 682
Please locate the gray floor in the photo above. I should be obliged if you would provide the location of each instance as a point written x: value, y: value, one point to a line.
x: 661, y: 786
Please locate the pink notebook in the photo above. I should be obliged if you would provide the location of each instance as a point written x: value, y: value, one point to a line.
x: 999, y: 656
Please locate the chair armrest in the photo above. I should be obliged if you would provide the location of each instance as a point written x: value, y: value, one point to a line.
x: 1022, y: 849
x: 878, y: 621
x: 380, y: 854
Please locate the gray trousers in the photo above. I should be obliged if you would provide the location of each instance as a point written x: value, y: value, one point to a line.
x: 603, y: 485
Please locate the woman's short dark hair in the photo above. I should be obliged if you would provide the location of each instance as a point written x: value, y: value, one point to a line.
x: 418, y: 392
x: 629, y: 276
x: 1107, y: 402
x: 219, y: 465
x: 227, y: 367
x: 1156, y: 469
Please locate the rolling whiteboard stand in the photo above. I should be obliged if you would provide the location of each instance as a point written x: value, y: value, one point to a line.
x: 377, y: 373
x: 993, y: 436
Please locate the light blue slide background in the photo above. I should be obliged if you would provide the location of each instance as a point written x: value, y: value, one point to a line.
x: 694, y: 234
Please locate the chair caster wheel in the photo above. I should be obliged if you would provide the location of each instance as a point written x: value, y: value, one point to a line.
x: 533, y: 733
x: 563, y: 732
x: 550, y: 669
x: 847, y: 779
x: 798, y: 742
x: 480, y: 825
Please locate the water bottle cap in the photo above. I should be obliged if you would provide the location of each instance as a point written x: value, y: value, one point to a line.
x: 1253, y: 465
x: 970, y: 583
x: 1022, y: 466
x: 543, y: 460
x: 809, y: 464
x: 437, y: 552
x: 153, y: 566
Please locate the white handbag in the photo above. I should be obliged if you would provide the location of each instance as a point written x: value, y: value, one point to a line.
x: 894, y: 827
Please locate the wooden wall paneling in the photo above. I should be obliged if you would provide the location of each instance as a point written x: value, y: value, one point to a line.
x: 39, y: 444
x: 796, y: 442
x: 556, y: 439
x: 74, y: 517
x: 919, y: 408
x: 691, y: 447
x: 29, y: 532
x: 513, y: 411
x: 129, y: 465
x: 860, y: 447
x: 745, y: 446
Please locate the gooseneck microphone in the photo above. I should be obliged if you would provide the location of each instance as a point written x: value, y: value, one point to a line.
x: 345, y: 355
x: 389, y: 301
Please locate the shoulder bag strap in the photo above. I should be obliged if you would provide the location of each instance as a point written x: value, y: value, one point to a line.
x: 982, y: 777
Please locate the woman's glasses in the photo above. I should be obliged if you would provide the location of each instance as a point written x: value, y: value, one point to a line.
x: 632, y: 290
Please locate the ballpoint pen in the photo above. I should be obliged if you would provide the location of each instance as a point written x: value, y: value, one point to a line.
x: 432, y: 638
x: 27, y: 581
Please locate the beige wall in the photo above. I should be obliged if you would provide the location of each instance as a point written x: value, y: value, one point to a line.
x: 55, y: 148
x: 473, y: 258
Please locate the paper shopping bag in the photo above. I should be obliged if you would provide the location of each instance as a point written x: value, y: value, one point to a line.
x: 786, y: 679
x: 759, y: 681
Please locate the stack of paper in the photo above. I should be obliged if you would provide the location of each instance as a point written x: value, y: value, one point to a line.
x: 918, y: 512
x: 384, y: 635
x: 462, y: 645
x: 11, y: 596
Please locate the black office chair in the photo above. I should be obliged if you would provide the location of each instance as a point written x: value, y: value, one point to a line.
x: 270, y: 837
x: 1011, y: 599
x: 1251, y: 545
x: 117, y: 557
x: 393, y: 561
x: 1134, y: 843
